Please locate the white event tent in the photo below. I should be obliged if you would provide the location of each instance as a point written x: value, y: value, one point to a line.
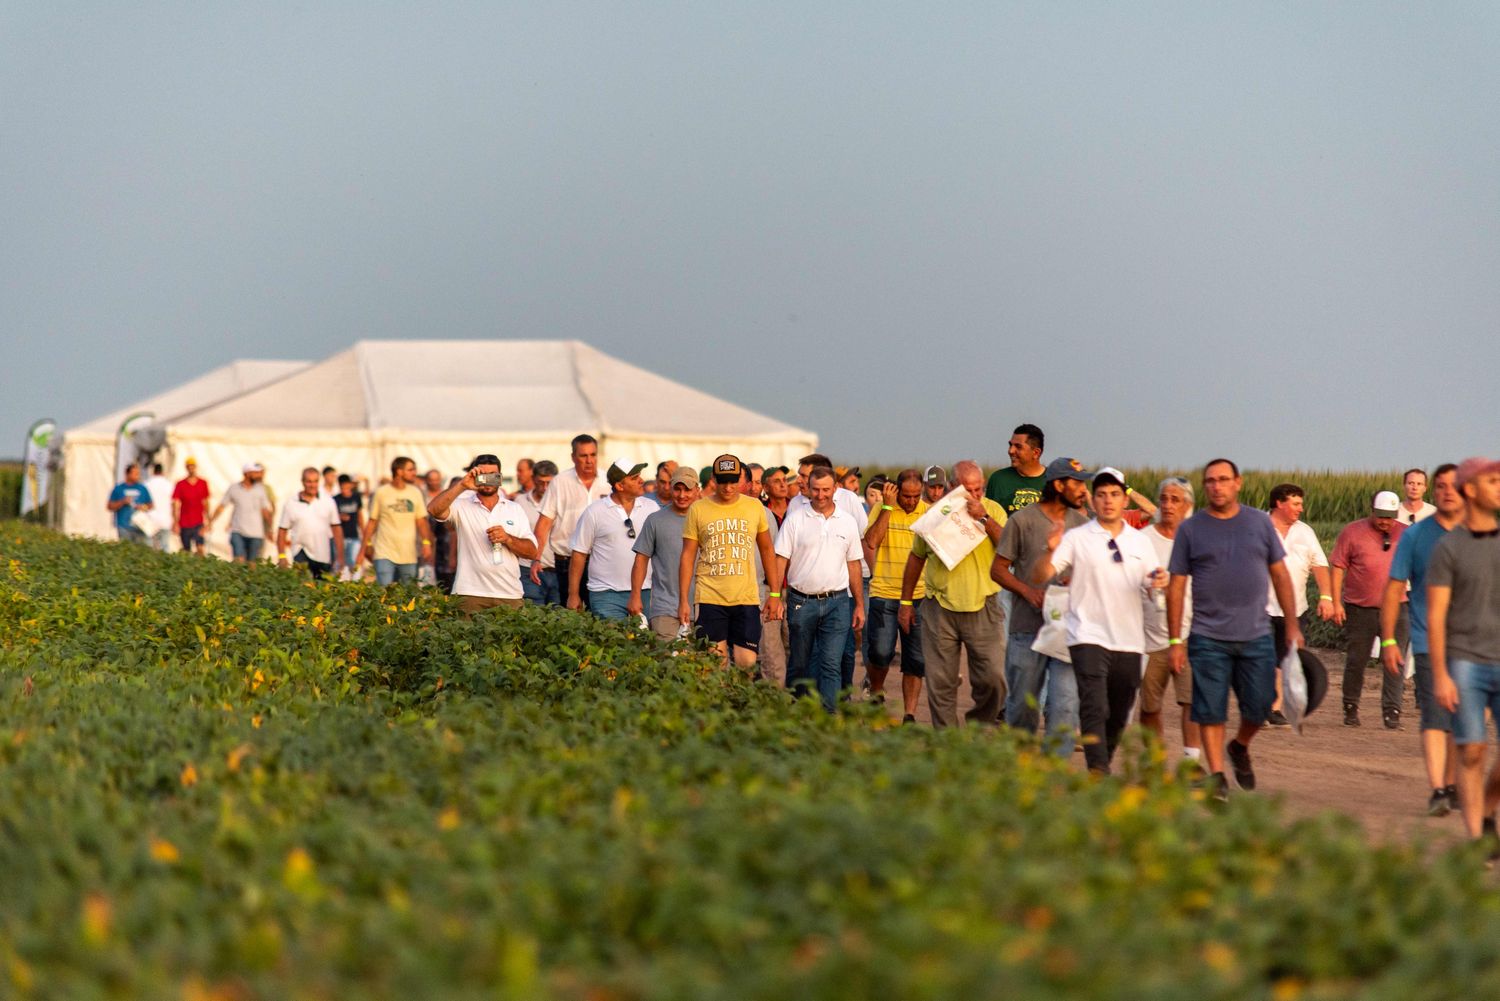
x: 441, y: 403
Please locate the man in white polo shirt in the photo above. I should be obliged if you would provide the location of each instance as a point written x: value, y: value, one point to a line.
x: 570, y: 492
x: 493, y: 537
x: 1111, y: 567
x: 818, y: 555
x: 310, y: 531
x: 605, y: 535
x: 849, y: 502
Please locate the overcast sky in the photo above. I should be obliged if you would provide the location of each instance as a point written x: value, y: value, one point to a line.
x: 1160, y: 231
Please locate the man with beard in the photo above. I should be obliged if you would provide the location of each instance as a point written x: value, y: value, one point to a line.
x: 1022, y: 545
x: 493, y: 535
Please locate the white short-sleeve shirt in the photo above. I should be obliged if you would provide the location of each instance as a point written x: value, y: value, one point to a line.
x: 610, y: 544
x: 1156, y: 618
x: 565, y: 500
x: 1105, y: 595
x: 310, y: 526
x: 819, y: 549
x: 848, y: 502
x: 1303, y: 552
x: 482, y: 572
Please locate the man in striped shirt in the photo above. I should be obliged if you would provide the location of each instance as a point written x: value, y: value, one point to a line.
x: 888, y: 543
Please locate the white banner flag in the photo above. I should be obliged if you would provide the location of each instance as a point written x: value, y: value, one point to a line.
x: 37, y: 465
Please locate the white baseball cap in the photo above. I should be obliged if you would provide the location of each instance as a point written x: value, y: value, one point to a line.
x: 252, y: 467
x: 1385, y: 504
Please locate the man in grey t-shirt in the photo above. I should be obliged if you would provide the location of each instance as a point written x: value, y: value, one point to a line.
x: 1463, y: 637
x: 250, y: 521
x: 1022, y: 544
x: 660, y: 545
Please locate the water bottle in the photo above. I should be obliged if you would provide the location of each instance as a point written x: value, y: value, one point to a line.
x: 1158, y: 594
x: 497, y: 553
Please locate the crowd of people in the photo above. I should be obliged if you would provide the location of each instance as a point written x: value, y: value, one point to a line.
x: 1079, y: 604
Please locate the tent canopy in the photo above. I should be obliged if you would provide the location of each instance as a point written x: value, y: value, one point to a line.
x: 480, y: 387
x: 220, y: 384
x: 439, y: 402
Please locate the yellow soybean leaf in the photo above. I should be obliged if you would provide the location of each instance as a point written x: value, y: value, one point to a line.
x: 164, y: 851
x: 448, y: 820
x: 189, y: 776
x: 237, y: 756
x: 97, y: 918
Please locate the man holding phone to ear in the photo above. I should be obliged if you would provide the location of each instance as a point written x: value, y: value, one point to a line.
x: 494, y: 535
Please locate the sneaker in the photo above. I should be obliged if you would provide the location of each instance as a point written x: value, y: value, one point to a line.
x: 1491, y: 841
x: 908, y: 719
x: 1437, y: 803
x: 1276, y: 719
x: 1239, y: 757
x: 1351, y: 714
x: 1392, y: 719
x: 1451, y: 794
x: 1218, y: 788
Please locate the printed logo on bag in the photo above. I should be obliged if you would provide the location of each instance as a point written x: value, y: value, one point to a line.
x: 947, y: 509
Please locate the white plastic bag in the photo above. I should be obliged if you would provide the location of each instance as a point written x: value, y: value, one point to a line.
x: 1052, y: 638
x: 1293, y: 688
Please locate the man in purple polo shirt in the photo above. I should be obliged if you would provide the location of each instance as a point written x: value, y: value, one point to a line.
x: 1232, y: 554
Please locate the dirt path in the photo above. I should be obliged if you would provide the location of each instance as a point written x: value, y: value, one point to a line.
x: 1370, y: 773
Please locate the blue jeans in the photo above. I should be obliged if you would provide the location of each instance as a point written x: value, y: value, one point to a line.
x: 1434, y: 716
x: 1246, y: 666
x: 611, y: 604
x: 245, y: 547
x: 129, y: 533
x: 388, y: 573
x: 881, y: 632
x: 351, y: 552
x: 1025, y: 672
x: 1478, y: 689
x: 817, y: 628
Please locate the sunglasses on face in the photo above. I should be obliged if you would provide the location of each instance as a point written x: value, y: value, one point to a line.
x: 1115, y: 548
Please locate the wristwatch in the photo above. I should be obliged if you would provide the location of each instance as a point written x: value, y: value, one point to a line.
x: 985, y: 518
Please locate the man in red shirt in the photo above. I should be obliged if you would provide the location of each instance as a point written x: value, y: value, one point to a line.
x: 1361, y: 563
x: 189, y: 500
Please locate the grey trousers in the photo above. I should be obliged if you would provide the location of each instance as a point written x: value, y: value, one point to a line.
x: 980, y: 635
x: 1361, y: 626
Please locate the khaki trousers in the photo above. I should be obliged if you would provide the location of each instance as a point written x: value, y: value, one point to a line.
x: 469, y: 603
x: 981, y: 636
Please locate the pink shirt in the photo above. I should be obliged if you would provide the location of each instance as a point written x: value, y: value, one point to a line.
x: 1366, y: 560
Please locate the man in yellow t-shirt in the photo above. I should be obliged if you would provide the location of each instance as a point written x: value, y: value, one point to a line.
x: 398, y: 515
x: 958, y: 615
x: 719, y: 539
x: 888, y: 542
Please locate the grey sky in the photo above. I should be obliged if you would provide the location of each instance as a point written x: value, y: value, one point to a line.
x: 1160, y: 231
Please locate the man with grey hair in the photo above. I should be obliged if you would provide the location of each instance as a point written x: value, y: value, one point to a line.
x: 958, y: 616
x: 1174, y: 502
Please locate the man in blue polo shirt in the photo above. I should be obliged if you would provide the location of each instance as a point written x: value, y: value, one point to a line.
x: 1232, y: 554
x: 1409, y: 567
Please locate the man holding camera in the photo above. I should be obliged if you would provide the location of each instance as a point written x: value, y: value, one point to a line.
x: 493, y: 533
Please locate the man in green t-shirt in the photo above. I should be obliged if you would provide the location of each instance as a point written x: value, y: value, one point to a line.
x: 1021, y: 484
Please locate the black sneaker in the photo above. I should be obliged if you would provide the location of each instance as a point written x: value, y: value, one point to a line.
x: 1437, y: 803
x: 1451, y: 794
x: 1351, y: 714
x: 908, y: 719
x: 1392, y: 719
x: 1218, y: 788
x: 1239, y: 757
x: 1491, y: 841
x: 1276, y: 719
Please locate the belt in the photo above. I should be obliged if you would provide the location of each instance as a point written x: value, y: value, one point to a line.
x: 821, y: 594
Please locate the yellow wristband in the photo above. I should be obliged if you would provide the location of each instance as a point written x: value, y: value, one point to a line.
x: 1386, y: 643
x: 1325, y: 597
x: 1174, y: 641
x: 886, y: 507
x: 905, y: 602
x: 426, y: 542
x: 773, y: 594
x: 283, y: 556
